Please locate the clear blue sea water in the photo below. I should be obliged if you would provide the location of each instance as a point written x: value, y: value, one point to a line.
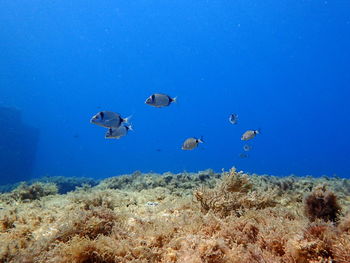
x: 282, y: 66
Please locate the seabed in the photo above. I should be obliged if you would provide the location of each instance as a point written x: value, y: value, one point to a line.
x: 186, y: 217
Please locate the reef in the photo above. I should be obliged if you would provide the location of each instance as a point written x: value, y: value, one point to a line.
x: 187, y: 217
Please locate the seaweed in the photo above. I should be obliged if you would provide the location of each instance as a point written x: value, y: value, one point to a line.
x: 66, y: 184
x: 344, y: 223
x: 234, y: 194
x: 63, y: 183
x: 233, y: 217
x: 181, y: 183
x: 341, y: 249
x: 25, y: 192
x: 90, y: 199
x: 322, y: 204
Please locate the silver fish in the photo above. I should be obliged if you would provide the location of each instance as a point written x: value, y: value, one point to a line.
x: 108, y: 119
x: 191, y: 143
x: 159, y: 100
x: 250, y: 134
x: 243, y: 155
x: 117, y: 133
x: 247, y: 148
x: 233, y: 118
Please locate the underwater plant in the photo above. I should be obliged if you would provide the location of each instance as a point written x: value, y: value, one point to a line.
x: 35, y: 191
x: 322, y: 204
x: 90, y: 199
x: 234, y: 194
x: 231, y: 217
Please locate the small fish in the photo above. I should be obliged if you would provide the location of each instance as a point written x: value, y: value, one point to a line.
x: 117, y: 133
x: 243, y: 155
x: 191, y: 143
x: 247, y: 148
x: 108, y: 119
x: 250, y: 134
x: 233, y: 118
x: 159, y: 100
x: 152, y: 203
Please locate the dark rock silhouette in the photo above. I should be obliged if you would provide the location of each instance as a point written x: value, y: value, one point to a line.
x: 18, y: 145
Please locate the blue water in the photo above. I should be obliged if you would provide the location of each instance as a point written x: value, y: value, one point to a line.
x: 282, y: 66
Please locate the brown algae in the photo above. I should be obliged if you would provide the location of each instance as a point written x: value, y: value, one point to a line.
x: 186, y: 217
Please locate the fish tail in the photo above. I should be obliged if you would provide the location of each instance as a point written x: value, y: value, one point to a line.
x: 127, y: 119
x: 201, y: 140
x: 174, y: 99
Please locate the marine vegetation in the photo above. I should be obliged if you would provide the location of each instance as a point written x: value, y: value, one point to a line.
x: 63, y: 183
x: 187, y: 217
x: 235, y: 193
x: 25, y: 192
x: 322, y: 204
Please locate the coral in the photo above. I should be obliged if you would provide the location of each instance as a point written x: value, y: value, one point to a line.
x: 234, y: 193
x: 322, y: 204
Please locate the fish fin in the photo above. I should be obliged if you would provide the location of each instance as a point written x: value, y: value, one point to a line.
x: 108, y: 133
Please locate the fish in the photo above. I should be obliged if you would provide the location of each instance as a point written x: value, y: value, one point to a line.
x: 159, y: 100
x: 108, y: 119
x: 250, y: 134
x: 243, y: 155
x: 117, y: 133
x: 191, y: 143
x: 247, y: 148
x: 233, y: 118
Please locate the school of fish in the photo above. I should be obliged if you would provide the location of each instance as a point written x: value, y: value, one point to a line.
x: 118, y: 126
